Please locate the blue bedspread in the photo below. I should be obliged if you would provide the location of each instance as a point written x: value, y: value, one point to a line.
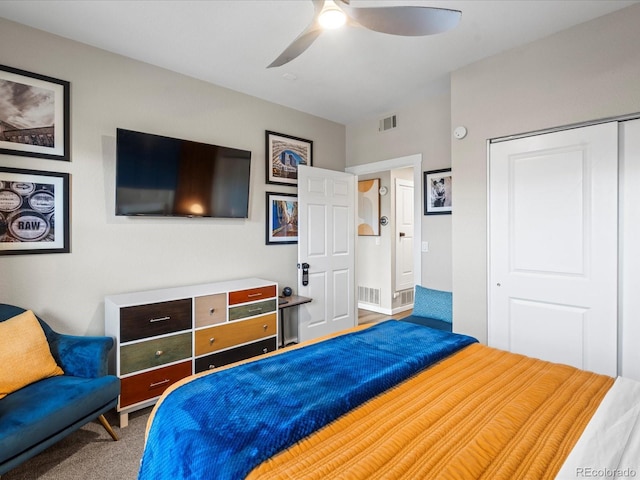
x: 223, y: 425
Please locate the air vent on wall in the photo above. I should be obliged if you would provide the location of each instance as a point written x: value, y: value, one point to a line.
x: 406, y: 297
x: 369, y: 295
x: 388, y: 123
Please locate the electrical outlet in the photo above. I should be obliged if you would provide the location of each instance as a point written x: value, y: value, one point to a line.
x: 425, y: 246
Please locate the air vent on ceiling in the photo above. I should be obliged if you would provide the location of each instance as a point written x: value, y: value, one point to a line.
x: 388, y: 123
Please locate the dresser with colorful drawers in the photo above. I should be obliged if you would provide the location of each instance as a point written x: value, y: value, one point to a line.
x: 162, y: 336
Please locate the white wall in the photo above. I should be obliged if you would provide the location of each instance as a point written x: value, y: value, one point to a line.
x: 114, y: 254
x: 423, y: 127
x: 587, y: 72
x: 373, y: 253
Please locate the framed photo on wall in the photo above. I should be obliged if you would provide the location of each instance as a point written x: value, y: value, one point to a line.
x: 369, y: 207
x: 438, y: 191
x: 284, y: 154
x: 34, y: 115
x: 282, y: 218
x: 34, y: 211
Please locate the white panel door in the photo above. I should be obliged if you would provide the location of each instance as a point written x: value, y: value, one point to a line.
x: 326, y: 241
x: 553, y: 247
x: 404, y: 234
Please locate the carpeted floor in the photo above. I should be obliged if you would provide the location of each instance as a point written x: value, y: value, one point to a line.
x: 90, y: 454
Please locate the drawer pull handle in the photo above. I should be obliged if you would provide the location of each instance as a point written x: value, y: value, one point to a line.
x: 157, y: 384
x: 264, y: 327
x: 160, y: 319
x: 265, y: 350
x: 259, y: 309
x: 211, y: 340
x: 211, y: 310
x: 159, y: 352
x: 254, y: 295
x: 211, y: 367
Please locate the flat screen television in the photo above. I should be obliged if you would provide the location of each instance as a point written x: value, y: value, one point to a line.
x: 169, y: 177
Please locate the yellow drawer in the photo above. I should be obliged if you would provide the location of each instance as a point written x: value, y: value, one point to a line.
x: 153, y: 353
x: 211, y: 309
x: 228, y: 335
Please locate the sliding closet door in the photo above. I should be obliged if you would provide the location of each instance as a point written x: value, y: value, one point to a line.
x: 553, y: 246
x: 630, y: 252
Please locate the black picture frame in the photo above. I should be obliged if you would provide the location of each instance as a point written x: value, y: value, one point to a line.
x: 438, y: 192
x: 283, y: 154
x: 281, y: 218
x: 34, y: 122
x: 34, y: 212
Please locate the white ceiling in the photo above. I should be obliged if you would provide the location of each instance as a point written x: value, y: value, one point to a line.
x: 344, y: 76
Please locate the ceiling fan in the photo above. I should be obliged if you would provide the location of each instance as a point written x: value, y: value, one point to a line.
x: 396, y: 20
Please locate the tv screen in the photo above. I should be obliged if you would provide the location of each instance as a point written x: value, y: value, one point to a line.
x: 163, y: 176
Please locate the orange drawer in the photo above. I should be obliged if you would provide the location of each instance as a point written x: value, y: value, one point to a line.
x: 252, y: 294
x: 145, y: 386
x: 231, y: 334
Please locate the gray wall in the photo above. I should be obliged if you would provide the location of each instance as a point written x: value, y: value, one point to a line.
x: 423, y: 127
x: 584, y: 73
x: 115, y: 254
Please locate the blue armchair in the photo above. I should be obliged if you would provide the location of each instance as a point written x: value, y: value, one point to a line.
x: 42, y: 413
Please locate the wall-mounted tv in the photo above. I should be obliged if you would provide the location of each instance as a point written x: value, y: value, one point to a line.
x: 163, y: 176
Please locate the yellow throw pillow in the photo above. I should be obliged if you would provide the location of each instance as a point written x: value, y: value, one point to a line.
x: 24, y: 353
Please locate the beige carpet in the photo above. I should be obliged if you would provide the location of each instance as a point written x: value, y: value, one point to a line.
x: 90, y: 454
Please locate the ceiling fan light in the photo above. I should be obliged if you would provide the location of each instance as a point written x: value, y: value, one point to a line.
x: 332, y: 18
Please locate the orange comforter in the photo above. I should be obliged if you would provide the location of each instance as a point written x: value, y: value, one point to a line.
x: 482, y: 413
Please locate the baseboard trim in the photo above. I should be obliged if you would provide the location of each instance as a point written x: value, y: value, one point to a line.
x: 384, y: 311
x: 374, y: 308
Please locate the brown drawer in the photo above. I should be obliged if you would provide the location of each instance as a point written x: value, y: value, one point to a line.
x: 143, y: 321
x: 211, y: 309
x: 145, y: 386
x: 155, y: 352
x: 251, y: 295
x: 230, y: 334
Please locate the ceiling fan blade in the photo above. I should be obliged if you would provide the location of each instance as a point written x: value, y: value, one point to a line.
x: 299, y: 45
x: 302, y: 41
x: 405, y: 20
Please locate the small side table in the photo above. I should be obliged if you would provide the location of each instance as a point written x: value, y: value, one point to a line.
x: 283, y: 304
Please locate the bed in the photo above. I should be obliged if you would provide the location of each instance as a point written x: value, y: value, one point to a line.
x: 397, y: 401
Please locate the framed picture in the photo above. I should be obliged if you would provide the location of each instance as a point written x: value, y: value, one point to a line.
x: 438, y: 192
x: 369, y: 207
x: 34, y: 211
x: 282, y: 218
x: 34, y: 115
x: 284, y: 154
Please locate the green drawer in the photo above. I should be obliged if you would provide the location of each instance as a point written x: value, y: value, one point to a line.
x: 252, y: 309
x: 152, y: 353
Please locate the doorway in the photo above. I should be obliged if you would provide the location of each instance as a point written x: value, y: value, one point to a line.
x: 385, y: 298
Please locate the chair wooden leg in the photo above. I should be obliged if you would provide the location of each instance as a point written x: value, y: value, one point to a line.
x: 107, y: 427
